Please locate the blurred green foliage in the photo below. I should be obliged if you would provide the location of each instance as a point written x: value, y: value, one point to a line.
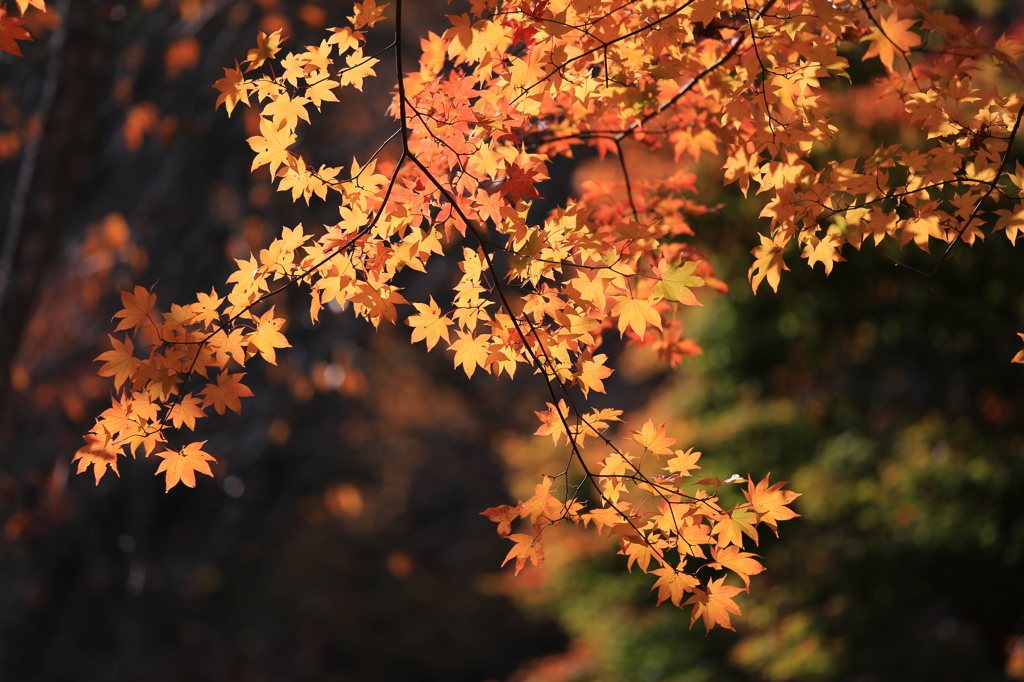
x: 889, y: 400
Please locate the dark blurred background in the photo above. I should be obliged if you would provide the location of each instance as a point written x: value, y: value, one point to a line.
x: 340, y: 538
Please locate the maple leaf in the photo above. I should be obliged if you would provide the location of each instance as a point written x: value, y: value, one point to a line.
x: 714, y: 604
x: 470, y: 352
x: 321, y: 89
x: 543, y: 507
x: 892, y: 34
x: 10, y: 31
x: 207, y: 307
x: 366, y: 14
x: 226, y: 393
x: 429, y: 324
x: 345, y: 38
x: 181, y: 466
x: 266, y: 48
x: 99, y: 453
x: 1011, y: 221
x: 137, y: 306
x: 503, y: 515
x: 731, y: 529
x: 120, y: 362
x: 286, y: 111
x: 637, y: 550
x: 683, y: 462
x: 271, y: 146
x: 654, y: 439
x: 636, y: 314
x: 358, y: 69
x: 824, y: 251
x: 604, y: 517
x: 233, y: 89
x: 674, y: 282
x: 769, y: 502
x: 552, y: 423
x: 186, y: 411
x: 769, y: 263
x: 267, y: 336
x: 23, y: 5
x: 592, y: 374
x: 230, y: 345
x: 739, y: 562
x: 526, y: 547
x: 673, y: 583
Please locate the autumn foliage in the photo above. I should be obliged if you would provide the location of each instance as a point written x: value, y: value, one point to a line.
x: 751, y: 84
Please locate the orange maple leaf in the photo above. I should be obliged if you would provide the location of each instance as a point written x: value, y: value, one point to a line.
x: 769, y: 502
x: 366, y: 13
x: 503, y: 515
x: 186, y: 411
x: 715, y: 604
x: 120, y: 362
x: 769, y: 263
x: 267, y: 336
x: 637, y: 549
x: 731, y: 529
x: 654, y: 439
x: 266, y: 48
x: 137, y: 306
x: 10, y: 31
x: 673, y: 584
x: 543, y: 507
x: 593, y: 373
x: 741, y: 563
x: 181, y: 466
x: 358, y: 68
x: 226, y: 393
x: 891, y: 34
x: 526, y: 547
x: 233, y: 89
x: 683, y: 462
x: 553, y: 424
x: 604, y: 517
x: 98, y: 452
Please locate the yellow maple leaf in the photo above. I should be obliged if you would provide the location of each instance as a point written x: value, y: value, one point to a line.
x: 636, y: 314
x: 366, y: 13
x: 267, y: 337
x: 286, y: 111
x: 471, y: 351
x: 266, y: 47
x: 429, y: 325
x: 768, y: 263
x: 271, y: 146
x: 592, y: 373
